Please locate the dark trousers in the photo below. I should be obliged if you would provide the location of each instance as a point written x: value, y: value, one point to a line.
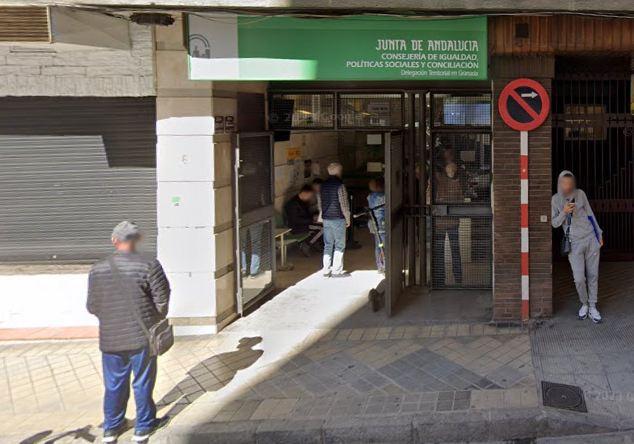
x: 438, y: 267
x: 117, y: 368
x: 316, y: 233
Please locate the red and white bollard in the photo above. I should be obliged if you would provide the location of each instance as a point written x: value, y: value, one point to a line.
x: 524, y: 105
x: 524, y: 223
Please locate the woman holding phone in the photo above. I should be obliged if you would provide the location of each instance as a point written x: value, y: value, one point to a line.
x: 571, y: 210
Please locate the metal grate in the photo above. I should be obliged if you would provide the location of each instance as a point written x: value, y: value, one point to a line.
x: 461, y: 249
x: 255, y: 173
x: 593, y: 136
x: 256, y: 259
x: 563, y: 396
x: 24, y: 24
x: 452, y: 110
x: 462, y: 168
x: 370, y: 110
x: 314, y: 111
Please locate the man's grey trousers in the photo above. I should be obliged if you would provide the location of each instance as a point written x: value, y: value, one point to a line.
x: 584, y: 261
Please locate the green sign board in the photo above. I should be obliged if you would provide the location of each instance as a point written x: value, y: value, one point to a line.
x: 237, y: 47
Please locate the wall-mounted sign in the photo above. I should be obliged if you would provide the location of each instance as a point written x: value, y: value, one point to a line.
x: 224, y: 124
x: 524, y: 104
x: 238, y: 47
x: 293, y: 154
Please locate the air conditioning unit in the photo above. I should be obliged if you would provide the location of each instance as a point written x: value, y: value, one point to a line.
x: 41, y: 25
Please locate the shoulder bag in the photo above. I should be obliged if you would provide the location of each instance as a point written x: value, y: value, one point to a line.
x: 566, y: 246
x: 160, y: 336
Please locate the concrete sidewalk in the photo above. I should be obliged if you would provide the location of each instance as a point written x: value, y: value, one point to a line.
x: 599, y: 358
x: 312, y: 365
x: 295, y: 360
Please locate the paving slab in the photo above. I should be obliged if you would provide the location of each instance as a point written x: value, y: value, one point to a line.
x: 599, y: 358
x: 316, y: 365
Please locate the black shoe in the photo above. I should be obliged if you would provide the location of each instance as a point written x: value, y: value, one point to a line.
x: 305, y: 249
x: 343, y: 274
x: 142, y: 435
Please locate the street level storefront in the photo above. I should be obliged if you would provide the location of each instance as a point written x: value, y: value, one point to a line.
x: 413, y: 92
x: 265, y: 102
x: 424, y: 85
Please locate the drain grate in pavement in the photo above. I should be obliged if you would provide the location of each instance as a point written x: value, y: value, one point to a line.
x: 562, y: 396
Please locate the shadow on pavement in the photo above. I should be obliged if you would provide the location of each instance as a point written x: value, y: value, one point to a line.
x: 210, y: 375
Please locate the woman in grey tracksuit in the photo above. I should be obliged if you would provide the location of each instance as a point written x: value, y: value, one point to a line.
x: 571, y: 209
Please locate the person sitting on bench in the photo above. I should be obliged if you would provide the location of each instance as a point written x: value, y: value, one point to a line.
x: 300, y: 218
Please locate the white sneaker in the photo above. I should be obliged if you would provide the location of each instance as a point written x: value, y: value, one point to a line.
x: 595, y: 315
x: 583, y: 312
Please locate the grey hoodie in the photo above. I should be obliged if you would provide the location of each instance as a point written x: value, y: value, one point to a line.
x: 580, y: 225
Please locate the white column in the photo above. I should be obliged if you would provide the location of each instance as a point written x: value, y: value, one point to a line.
x: 185, y: 175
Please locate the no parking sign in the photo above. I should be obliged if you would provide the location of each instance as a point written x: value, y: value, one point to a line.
x: 524, y: 105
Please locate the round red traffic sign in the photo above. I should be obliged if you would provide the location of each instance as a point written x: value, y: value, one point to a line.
x: 524, y: 104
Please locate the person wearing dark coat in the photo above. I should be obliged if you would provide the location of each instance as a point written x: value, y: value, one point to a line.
x: 300, y: 215
x: 124, y: 290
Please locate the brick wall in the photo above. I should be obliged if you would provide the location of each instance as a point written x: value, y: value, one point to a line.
x: 70, y: 70
x: 506, y: 198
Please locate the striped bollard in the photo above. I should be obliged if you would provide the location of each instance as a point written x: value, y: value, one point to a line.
x: 524, y: 222
x: 524, y: 105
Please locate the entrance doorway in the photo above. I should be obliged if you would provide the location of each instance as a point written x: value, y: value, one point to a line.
x: 433, y: 150
x: 593, y: 136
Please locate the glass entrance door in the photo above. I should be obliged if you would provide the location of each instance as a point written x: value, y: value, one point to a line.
x: 255, y: 251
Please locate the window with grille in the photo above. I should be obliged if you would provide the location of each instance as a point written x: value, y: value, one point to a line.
x: 452, y: 110
x: 308, y: 111
x: 370, y: 110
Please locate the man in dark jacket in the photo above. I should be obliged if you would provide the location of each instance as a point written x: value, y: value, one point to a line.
x: 137, y: 290
x: 300, y: 216
x: 335, y: 213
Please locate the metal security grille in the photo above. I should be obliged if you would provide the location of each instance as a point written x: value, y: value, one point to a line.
x: 309, y: 111
x: 593, y: 136
x: 76, y: 167
x: 461, y: 111
x: 24, y: 24
x: 460, y: 178
x: 371, y: 111
x: 254, y: 230
x: 256, y: 251
x: 461, y: 249
x: 470, y: 153
x: 61, y: 199
x: 254, y: 185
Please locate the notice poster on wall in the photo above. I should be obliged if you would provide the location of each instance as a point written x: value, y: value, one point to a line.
x: 240, y: 47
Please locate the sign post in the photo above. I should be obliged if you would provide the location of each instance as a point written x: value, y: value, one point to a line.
x: 524, y: 105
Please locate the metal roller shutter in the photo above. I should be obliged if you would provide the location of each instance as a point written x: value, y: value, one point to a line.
x: 69, y: 173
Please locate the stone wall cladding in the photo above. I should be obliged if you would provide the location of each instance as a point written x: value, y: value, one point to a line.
x: 507, y: 286
x: 65, y: 70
